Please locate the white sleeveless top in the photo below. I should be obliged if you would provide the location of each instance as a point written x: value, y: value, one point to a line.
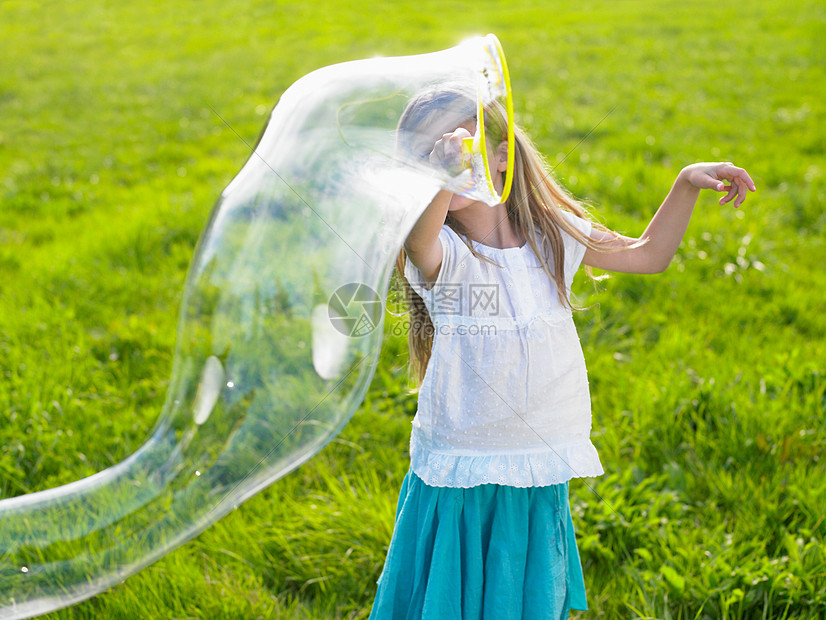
x: 505, y: 395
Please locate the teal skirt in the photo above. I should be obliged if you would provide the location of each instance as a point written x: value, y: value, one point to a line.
x: 487, y: 552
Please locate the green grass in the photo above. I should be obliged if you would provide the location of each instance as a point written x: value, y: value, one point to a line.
x: 708, y: 381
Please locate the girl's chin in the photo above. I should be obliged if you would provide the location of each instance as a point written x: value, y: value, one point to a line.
x: 460, y: 202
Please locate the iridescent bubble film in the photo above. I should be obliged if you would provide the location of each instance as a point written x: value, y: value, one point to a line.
x: 281, y: 321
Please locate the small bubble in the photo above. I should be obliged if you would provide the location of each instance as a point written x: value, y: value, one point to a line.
x: 261, y: 109
x: 197, y: 473
x: 181, y: 171
x: 24, y: 569
x: 230, y: 384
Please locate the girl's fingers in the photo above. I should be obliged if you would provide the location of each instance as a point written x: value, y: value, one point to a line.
x: 743, y: 191
x: 740, y: 183
x: 745, y: 179
x: 708, y: 179
x: 733, y: 172
x: 704, y: 182
x: 737, y: 191
x: 732, y: 190
x: 723, y: 177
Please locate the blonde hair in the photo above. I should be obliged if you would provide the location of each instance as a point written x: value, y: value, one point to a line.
x: 536, y: 201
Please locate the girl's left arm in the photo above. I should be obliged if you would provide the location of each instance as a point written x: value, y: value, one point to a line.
x: 667, y: 227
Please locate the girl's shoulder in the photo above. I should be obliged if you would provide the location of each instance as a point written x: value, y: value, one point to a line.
x: 583, y: 225
x: 570, y: 243
x: 573, y: 248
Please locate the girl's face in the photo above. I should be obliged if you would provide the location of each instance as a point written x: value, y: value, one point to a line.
x: 458, y: 202
x: 497, y: 156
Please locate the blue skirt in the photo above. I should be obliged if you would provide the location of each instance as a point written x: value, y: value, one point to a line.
x: 487, y: 552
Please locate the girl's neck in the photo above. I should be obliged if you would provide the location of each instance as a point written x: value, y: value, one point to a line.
x: 489, y: 225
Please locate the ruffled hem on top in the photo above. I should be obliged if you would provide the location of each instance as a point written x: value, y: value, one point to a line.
x: 560, y: 463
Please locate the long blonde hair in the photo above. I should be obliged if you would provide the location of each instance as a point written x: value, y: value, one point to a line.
x: 536, y: 201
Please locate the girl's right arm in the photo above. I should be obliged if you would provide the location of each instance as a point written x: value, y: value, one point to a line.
x: 422, y: 244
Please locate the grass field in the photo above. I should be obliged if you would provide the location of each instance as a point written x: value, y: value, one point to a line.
x: 708, y: 381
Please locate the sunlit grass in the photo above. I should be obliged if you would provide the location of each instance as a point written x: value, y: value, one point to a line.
x: 708, y: 381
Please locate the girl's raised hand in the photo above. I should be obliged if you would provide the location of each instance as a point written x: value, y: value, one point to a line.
x: 714, y: 175
x: 447, y: 152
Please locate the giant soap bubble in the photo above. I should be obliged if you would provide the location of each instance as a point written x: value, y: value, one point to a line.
x: 272, y: 358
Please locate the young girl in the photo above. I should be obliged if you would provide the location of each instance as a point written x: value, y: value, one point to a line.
x: 483, y: 525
